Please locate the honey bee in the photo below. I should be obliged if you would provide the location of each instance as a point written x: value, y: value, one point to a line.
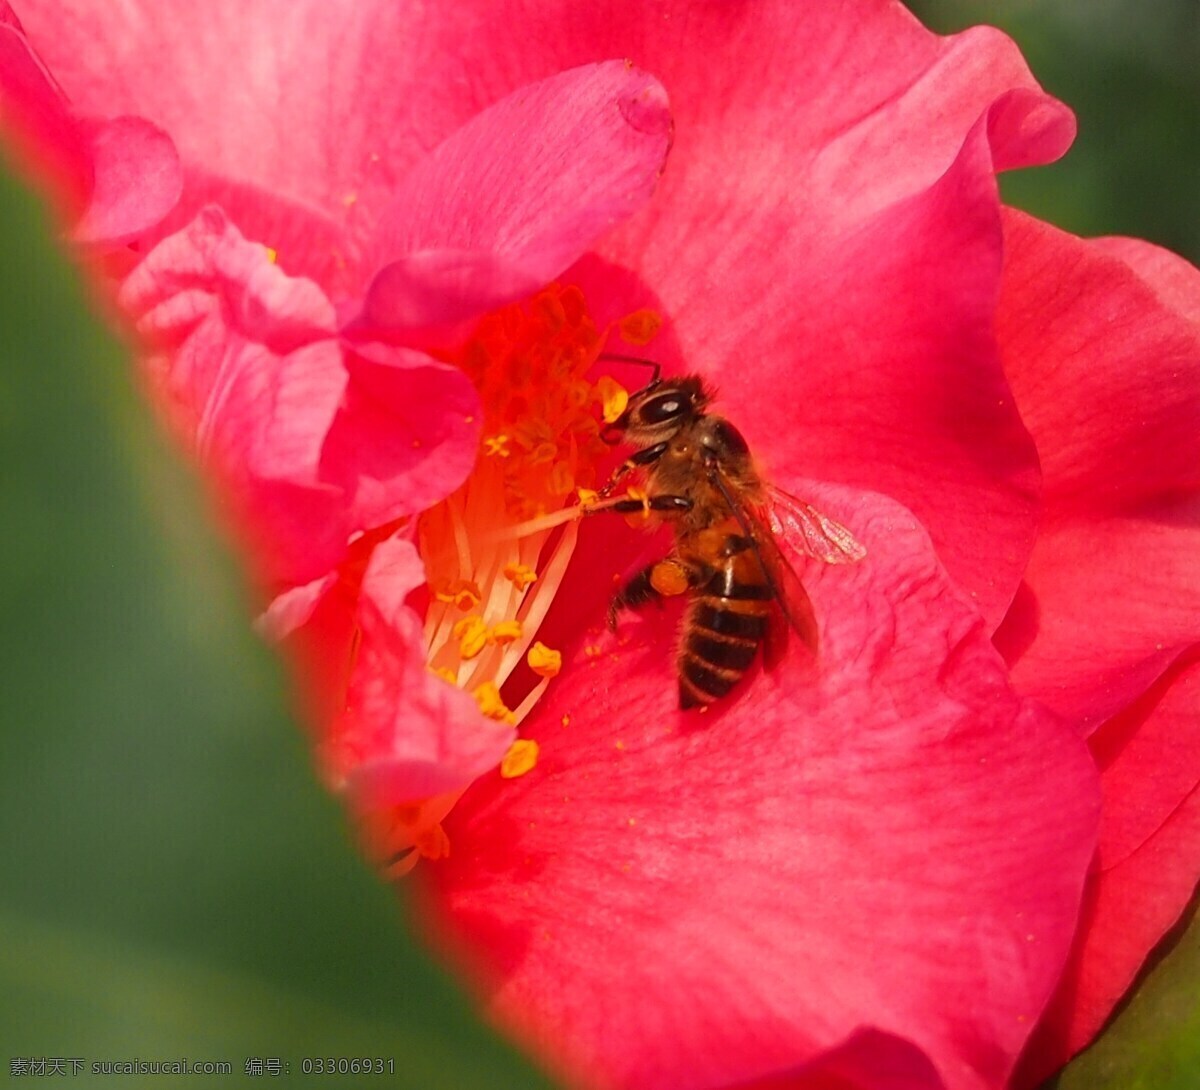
x: 700, y: 477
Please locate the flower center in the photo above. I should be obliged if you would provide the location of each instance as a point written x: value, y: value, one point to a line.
x: 490, y: 586
x: 492, y: 569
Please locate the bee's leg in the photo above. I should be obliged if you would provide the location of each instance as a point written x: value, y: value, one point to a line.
x: 662, y: 579
x: 634, y: 594
x: 641, y: 458
x: 664, y: 503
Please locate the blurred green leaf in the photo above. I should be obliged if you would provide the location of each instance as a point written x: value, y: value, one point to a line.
x: 1154, y: 1041
x: 176, y: 884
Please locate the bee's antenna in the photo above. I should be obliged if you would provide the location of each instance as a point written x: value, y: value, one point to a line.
x: 654, y: 379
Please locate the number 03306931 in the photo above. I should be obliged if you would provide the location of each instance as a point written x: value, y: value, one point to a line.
x: 348, y: 1065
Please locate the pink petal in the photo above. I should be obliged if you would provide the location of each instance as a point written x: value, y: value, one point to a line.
x: 1147, y: 864
x: 1127, y: 909
x: 322, y: 106
x: 405, y: 436
x: 1146, y: 867
x: 137, y: 180
x: 405, y: 735
x: 518, y: 193
x: 307, y: 241
x: 886, y: 836
x: 1150, y: 759
x: 1175, y: 281
x: 253, y: 377
x: 444, y: 286
x: 1106, y: 371
x: 866, y: 1060
x: 293, y: 608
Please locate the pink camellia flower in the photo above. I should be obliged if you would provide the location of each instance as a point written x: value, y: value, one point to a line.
x: 404, y: 241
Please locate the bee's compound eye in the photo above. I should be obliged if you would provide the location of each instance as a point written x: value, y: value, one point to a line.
x: 664, y: 407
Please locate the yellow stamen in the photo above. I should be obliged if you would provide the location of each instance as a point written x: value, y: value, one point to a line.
x: 464, y: 594
x: 496, y: 550
x: 487, y: 696
x: 520, y: 575
x: 543, y: 661
x: 471, y: 633
x: 521, y: 757
x: 504, y: 633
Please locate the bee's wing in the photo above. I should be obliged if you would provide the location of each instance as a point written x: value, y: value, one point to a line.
x: 810, y: 532
x: 795, y: 608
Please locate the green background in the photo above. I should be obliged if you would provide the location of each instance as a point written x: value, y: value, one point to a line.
x: 175, y: 882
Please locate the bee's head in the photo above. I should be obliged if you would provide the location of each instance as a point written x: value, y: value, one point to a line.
x: 658, y: 411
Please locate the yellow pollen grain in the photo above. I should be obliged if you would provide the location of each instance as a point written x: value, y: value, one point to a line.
x: 272, y: 255
x: 613, y: 398
x: 641, y: 326
x: 587, y: 496
x: 566, y: 720
x: 462, y: 592
x: 521, y: 757
x: 505, y: 632
x: 487, y: 696
x: 471, y: 634
x: 521, y: 575
x: 496, y: 446
x: 543, y: 661
x: 445, y: 673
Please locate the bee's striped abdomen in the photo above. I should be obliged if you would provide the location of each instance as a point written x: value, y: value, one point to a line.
x: 724, y: 627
